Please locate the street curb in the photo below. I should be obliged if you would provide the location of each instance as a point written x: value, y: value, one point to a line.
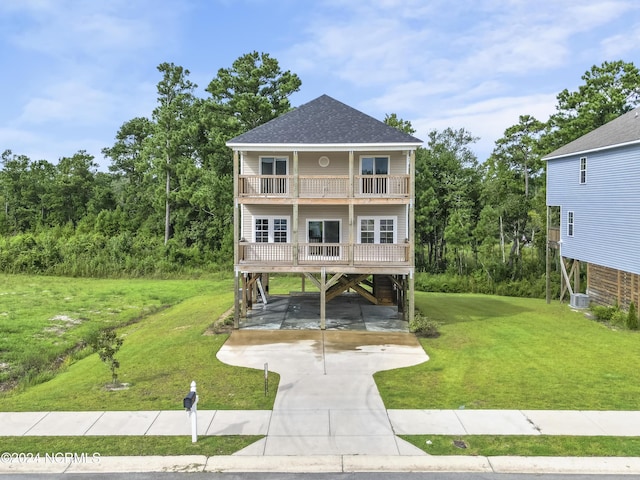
x: 333, y: 464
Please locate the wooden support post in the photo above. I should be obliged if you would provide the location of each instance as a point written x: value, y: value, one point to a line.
x: 236, y: 296
x: 323, y: 298
x: 236, y: 239
x: 243, y: 305
x: 576, y: 276
x: 411, y: 297
x: 548, y: 261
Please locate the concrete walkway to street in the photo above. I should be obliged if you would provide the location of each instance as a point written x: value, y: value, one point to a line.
x: 328, y: 415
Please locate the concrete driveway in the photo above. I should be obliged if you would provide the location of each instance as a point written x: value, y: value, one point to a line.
x: 327, y: 402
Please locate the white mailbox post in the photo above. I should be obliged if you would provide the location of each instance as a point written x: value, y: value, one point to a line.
x: 190, y: 403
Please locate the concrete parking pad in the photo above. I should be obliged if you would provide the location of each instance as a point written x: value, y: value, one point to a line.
x: 18, y: 423
x: 64, y: 424
x: 240, y: 422
x: 125, y: 423
x: 496, y: 422
x: 419, y: 422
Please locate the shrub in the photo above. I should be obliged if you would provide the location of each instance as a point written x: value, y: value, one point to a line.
x: 632, y: 317
x: 604, y: 314
x: 424, y: 326
x: 619, y: 318
x: 106, y: 343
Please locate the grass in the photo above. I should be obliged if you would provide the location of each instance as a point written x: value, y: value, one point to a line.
x: 159, y: 358
x: 43, y: 319
x: 539, y: 445
x: 122, y: 446
x: 513, y: 353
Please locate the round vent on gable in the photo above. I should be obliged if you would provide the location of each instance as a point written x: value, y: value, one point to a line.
x: 323, y: 161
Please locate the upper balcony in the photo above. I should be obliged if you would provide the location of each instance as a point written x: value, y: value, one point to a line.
x: 324, y: 186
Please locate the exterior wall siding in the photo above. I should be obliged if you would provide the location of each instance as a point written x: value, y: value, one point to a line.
x: 308, y: 162
x: 606, y: 208
x: 332, y: 212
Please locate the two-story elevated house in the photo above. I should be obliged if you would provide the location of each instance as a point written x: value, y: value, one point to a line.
x: 327, y: 192
x: 593, y: 188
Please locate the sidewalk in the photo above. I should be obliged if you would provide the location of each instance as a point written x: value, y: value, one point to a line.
x: 324, y: 422
x: 328, y: 416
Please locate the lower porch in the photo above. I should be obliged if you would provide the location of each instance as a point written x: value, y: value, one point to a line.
x: 301, y: 311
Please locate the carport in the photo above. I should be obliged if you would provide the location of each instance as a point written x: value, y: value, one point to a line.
x: 301, y: 311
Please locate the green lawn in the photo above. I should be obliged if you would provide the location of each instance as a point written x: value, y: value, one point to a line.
x: 127, y: 445
x: 160, y: 356
x: 534, y: 445
x: 43, y: 318
x: 513, y: 353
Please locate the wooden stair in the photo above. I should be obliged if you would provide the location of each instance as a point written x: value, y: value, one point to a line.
x: 383, y: 290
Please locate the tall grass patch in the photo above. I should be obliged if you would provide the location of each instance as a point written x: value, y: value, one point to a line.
x: 45, y: 321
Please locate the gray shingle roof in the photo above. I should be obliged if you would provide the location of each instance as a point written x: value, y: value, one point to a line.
x: 324, y: 121
x: 622, y: 130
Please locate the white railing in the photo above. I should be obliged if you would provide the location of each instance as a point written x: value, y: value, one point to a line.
x: 382, y: 185
x: 325, y: 186
x: 323, y: 253
x: 316, y: 186
x: 265, y: 185
x: 380, y: 253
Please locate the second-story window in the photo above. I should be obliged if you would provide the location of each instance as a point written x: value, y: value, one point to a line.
x: 374, y: 171
x: 274, y: 171
x: 583, y: 170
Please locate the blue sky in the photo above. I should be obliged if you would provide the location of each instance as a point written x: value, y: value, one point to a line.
x: 73, y: 71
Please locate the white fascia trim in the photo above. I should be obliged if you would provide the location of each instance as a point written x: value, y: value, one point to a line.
x: 316, y: 147
x: 591, y: 150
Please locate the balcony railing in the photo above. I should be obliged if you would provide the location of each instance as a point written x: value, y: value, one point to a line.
x: 323, y: 253
x: 323, y: 186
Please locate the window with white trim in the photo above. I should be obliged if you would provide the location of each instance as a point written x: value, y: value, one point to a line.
x: 271, y: 229
x: 570, y: 224
x: 583, y: 170
x: 377, y: 229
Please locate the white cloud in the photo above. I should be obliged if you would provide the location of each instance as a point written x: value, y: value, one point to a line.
x: 70, y: 101
x: 487, y: 119
x: 89, y: 31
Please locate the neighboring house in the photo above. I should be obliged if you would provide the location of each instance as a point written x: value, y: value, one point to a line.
x: 326, y: 192
x: 595, y: 183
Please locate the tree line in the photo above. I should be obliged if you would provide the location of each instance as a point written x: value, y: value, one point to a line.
x: 166, y: 204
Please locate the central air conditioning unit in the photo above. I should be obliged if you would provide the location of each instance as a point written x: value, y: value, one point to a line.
x: 579, y: 300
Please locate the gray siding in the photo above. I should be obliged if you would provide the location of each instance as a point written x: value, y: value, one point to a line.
x: 606, y: 208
